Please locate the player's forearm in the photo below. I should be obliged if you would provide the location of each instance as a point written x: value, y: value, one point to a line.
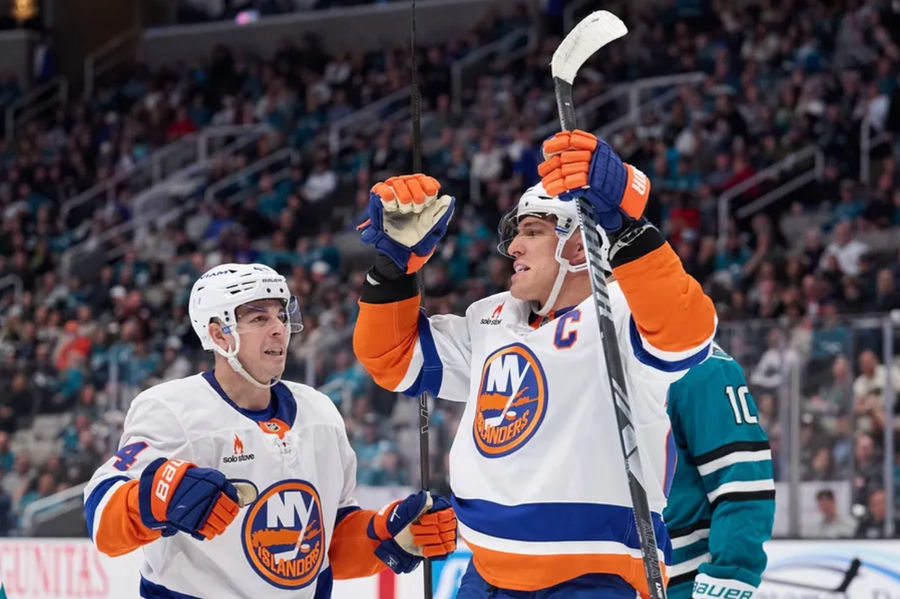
x: 352, y: 552
x: 668, y: 305
x: 739, y: 557
x: 120, y: 529
x: 386, y: 331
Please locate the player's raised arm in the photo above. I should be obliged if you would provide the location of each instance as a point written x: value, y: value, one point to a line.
x: 673, y: 320
x: 401, y: 348
x: 142, y: 492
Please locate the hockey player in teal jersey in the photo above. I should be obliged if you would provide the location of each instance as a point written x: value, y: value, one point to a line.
x: 722, y: 501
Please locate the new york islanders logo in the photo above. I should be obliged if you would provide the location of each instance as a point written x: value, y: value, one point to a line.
x: 512, y: 401
x: 283, y: 537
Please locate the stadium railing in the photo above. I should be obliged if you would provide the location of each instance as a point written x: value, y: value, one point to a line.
x: 57, y: 515
x: 37, y: 102
x: 814, y: 173
x: 117, y: 51
x: 867, y: 145
x: 510, y: 47
x: 631, y: 103
x: 391, y: 108
x: 810, y: 155
x: 154, y: 168
x: 178, y: 167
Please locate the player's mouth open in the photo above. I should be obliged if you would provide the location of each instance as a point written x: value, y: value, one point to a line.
x: 274, y: 352
x: 518, y: 267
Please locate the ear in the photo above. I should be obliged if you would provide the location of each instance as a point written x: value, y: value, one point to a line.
x: 573, y: 251
x: 218, y: 336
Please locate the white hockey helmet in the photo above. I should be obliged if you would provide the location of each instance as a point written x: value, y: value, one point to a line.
x: 537, y: 202
x: 218, y: 293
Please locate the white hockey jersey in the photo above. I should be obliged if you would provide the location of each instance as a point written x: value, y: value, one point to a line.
x: 284, y: 544
x: 536, y: 469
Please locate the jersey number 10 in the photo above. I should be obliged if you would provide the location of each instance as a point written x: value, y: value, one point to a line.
x: 740, y: 397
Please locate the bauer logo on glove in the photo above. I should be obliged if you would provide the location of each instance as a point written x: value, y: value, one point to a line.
x: 406, y: 219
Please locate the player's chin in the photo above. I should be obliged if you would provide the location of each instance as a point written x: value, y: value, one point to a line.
x: 520, y: 291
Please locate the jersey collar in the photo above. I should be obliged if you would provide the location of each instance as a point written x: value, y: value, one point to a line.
x: 281, y: 405
x: 535, y: 320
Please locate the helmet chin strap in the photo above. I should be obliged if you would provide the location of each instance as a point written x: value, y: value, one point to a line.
x: 565, y: 267
x: 231, y: 356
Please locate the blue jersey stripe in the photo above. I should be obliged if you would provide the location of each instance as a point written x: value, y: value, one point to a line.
x: 637, y: 346
x: 151, y: 590
x: 557, y: 522
x: 93, y: 500
x: 432, y: 373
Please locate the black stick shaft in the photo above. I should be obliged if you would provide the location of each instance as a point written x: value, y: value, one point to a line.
x: 627, y: 436
x: 415, y: 111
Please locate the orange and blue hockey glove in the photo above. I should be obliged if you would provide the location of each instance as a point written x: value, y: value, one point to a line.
x: 577, y: 164
x: 406, y: 220
x: 412, y: 528
x: 175, y: 495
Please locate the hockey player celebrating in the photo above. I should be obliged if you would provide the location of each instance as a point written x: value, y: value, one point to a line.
x: 238, y: 484
x: 722, y: 503
x: 536, y: 470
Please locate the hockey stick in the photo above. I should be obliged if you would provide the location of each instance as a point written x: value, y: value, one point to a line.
x: 592, y: 33
x: 416, y: 111
x: 498, y: 419
x: 290, y: 554
x: 849, y: 575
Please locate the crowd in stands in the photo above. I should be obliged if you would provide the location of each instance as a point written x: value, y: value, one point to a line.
x: 780, y: 76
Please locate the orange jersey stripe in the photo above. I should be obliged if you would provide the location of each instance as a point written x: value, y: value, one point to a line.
x: 352, y: 552
x: 669, y: 307
x: 384, y: 339
x: 521, y: 572
x: 120, y: 530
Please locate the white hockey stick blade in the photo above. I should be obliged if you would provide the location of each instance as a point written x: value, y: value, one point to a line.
x: 592, y: 33
x: 246, y: 493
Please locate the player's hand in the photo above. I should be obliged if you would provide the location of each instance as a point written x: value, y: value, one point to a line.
x: 410, y: 529
x: 407, y: 218
x: 174, y: 494
x: 577, y: 164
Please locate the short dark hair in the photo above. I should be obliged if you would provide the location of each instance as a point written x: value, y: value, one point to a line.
x: 825, y: 494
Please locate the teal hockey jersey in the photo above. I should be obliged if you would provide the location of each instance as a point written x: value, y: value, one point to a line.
x: 722, y: 502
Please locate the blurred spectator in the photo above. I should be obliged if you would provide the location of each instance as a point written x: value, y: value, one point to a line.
x: 846, y: 250
x: 868, y: 467
x: 871, y: 525
x: 832, y: 525
x: 873, y: 376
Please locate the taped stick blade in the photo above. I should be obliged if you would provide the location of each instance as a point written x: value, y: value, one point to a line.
x: 592, y: 33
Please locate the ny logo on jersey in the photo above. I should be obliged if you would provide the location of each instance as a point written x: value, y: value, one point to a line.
x: 283, y: 536
x: 512, y: 401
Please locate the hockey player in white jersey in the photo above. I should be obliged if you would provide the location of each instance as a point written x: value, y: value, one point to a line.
x: 535, y: 468
x: 238, y: 484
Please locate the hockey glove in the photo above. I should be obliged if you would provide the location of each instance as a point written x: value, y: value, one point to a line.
x: 577, y: 164
x: 413, y: 528
x: 407, y: 219
x: 176, y: 495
